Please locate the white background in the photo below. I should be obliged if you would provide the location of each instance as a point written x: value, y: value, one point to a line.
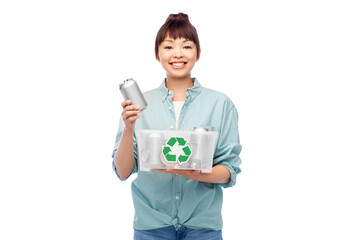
x: 290, y: 67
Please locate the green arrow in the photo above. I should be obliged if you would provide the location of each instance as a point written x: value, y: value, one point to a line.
x: 171, y: 141
x: 187, y: 150
x: 181, y: 141
x: 183, y: 158
x: 171, y: 158
x: 166, y: 150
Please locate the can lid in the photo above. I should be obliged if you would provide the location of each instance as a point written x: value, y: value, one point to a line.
x: 155, y: 135
x: 127, y: 83
x: 200, y: 129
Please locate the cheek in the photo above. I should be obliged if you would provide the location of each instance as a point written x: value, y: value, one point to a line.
x: 164, y: 57
x: 192, y: 56
x: 163, y: 61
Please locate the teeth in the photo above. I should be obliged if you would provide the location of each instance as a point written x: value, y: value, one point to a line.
x: 178, y: 64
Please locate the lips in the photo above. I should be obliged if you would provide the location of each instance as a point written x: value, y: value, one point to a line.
x: 178, y: 64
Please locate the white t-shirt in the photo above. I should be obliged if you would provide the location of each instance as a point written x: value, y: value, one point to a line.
x: 177, y: 109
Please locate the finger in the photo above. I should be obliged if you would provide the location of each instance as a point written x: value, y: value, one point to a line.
x: 171, y: 171
x: 131, y: 107
x: 133, y: 119
x: 125, y: 103
x: 164, y: 170
x: 128, y: 114
x: 185, y: 172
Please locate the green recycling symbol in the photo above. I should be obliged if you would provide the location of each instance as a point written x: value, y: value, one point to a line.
x: 176, y: 149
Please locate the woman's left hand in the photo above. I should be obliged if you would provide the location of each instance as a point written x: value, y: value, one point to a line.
x: 219, y: 174
x: 187, y: 173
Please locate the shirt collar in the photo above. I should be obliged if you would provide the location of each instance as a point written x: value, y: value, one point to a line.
x: 191, y: 93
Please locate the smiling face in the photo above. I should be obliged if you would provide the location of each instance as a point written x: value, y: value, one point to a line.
x: 178, y: 57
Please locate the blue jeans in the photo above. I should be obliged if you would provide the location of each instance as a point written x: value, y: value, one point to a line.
x: 183, y: 233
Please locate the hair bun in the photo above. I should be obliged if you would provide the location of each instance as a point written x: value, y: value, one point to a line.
x: 179, y: 16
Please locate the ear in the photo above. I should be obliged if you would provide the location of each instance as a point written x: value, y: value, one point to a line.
x: 199, y: 53
x: 157, y: 57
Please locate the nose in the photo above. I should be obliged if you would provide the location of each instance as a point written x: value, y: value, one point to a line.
x: 178, y: 52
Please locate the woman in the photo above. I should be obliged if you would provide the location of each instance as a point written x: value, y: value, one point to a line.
x: 179, y: 204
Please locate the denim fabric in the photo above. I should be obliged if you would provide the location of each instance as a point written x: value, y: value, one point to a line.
x: 183, y: 233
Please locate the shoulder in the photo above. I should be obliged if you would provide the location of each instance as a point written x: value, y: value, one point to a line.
x: 151, y: 92
x: 218, y: 97
x: 152, y: 95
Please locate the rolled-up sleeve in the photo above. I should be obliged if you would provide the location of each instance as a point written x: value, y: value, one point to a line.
x: 117, y: 142
x: 228, y: 145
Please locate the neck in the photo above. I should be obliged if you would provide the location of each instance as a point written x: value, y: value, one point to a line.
x: 179, y: 87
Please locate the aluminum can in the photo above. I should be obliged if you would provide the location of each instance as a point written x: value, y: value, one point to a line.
x: 199, y: 141
x: 130, y: 90
x: 154, y: 143
x: 200, y: 129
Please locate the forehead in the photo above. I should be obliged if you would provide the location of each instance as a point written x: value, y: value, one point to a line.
x: 169, y: 39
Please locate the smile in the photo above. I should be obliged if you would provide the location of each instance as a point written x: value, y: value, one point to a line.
x: 178, y: 64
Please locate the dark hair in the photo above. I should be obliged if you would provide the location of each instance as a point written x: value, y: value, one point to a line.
x: 177, y: 26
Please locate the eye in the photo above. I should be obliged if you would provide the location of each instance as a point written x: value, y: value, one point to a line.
x: 187, y: 47
x: 167, y: 47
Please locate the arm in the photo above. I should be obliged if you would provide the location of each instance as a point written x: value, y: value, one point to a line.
x: 219, y: 174
x: 124, y: 157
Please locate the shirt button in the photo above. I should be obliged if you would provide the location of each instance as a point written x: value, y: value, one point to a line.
x: 169, y: 108
x: 171, y: 127
x: 177, y: 197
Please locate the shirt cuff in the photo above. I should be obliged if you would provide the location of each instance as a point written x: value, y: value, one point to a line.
x: 233, y: 174
x: 114, y: 168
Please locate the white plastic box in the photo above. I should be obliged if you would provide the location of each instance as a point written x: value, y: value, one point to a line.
x: 161, y: 149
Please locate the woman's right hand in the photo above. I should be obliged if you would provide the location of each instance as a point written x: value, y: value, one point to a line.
x: 130, y: 114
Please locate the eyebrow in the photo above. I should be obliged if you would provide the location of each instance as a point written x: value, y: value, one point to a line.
x: 170, y: 40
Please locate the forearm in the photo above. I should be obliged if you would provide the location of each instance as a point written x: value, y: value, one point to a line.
x: 124, y: 156
x: 219, y: 174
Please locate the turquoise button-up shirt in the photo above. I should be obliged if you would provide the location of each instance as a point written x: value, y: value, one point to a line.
x: 165, y: 199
